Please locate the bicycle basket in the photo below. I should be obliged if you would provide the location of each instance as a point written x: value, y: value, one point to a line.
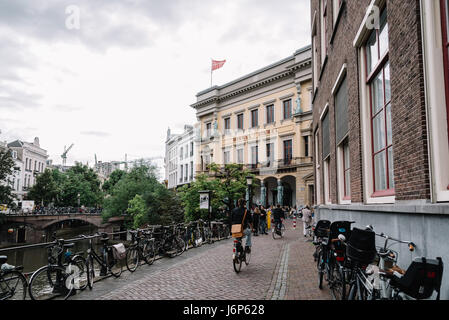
x: 421, y: 279
x: 322, y: 227
x: 119, y: 251
x: 361, y: 246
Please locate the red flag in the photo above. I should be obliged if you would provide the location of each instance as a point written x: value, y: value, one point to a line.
x: 217, y: 64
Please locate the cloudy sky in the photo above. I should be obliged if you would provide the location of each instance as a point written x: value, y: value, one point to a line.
x: 132, y: 68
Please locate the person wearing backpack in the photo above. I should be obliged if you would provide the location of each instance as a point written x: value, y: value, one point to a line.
x: 240, y: 215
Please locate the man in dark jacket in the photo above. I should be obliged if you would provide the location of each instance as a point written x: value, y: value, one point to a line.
x: 278, y: 214
x: 237, y: 218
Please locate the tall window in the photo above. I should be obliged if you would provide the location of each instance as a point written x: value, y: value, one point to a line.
x: 254, y: 156
x: 182, y: 173
x: 254, y: 118
x: 288, y: 152
x: 270, y: 114
x: 240, y: 121
x: 323, y: 30
x: 287, y: 109
x: 181, y: 153
x: 187, y: 172
x: 227, y: 157
x: 208, y: 129
x: 346, y: 167
x: 270, y: 154
x: 240, y: 156
x: 326, y: 156
x: 306, y: 146
x: 227, y: 125
x: 444, y: 7
x: 378, y: 70
x: 191, y: 149
x: 191, y: 170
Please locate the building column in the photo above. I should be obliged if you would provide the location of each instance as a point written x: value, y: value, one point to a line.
x: 263, y: 194
x: 280, y: 193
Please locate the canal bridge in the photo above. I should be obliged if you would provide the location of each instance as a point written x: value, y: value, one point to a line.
x: 33, y: 228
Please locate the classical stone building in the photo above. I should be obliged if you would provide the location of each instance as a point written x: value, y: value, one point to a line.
x: 263, y: 121
x: 180, y: 158
x: 380, y: 119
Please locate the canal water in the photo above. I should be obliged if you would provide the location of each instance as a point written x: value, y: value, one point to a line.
x: 33, y: 258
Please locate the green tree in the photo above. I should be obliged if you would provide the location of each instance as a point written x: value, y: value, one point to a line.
x: 45, y: 190
x: 6, y: 169
x: 227, y: 184
x: 161, y: 205
x: 81, y: 180
x: 137, y: 209
x: 115, y: 177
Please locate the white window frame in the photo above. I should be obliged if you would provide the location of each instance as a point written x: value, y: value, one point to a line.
x: 365, y: 113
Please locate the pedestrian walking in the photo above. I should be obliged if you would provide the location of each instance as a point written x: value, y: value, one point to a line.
x: 263, y: 220
x: 256, y: 220
x: 306, y: 219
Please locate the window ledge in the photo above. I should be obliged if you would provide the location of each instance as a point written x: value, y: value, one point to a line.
x: 384, y: 193
x: 404, y: 207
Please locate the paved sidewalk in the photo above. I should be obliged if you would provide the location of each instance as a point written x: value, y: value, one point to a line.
x: 279, y: 269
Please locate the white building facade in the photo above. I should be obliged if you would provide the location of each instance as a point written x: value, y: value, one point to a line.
x: 30, y: 160
x: 180, y: 158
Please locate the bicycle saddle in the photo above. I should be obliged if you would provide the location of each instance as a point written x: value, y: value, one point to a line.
x: 3, y: 259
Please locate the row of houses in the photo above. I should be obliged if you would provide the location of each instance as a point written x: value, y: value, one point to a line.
x: 29, y: 161
x: 357, y: 124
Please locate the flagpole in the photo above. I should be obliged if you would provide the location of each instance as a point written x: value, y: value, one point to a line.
x: 211, y: 71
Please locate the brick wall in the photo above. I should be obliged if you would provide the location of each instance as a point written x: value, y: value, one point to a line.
x: 408, y: 109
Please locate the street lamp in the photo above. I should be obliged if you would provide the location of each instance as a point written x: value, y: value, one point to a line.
x: 205, y: 201
x: 78, y: 200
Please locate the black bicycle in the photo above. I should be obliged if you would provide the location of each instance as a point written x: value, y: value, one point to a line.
x: 142, y: 248
x: 13, y: 284
x: 64, y: 273
x: 101, y: 265
x: 240, y: 255
x: 278, y: 230
x: 167, y: 242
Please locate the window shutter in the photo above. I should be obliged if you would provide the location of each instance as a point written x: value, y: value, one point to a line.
x: 341, y: 112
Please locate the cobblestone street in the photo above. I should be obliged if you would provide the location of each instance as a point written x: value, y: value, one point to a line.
x: 279, y: 269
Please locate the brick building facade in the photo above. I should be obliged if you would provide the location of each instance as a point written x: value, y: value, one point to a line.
x: 380, y: 114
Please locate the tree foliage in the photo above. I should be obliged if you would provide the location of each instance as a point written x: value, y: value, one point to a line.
x: 227, y: 184
x: 162, y: 206
x: 45, y: 190
x: 6, y: 169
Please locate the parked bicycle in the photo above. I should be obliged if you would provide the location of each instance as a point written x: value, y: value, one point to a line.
x: 13, y: 284
x: 142, y: 248
x: 166, y: 242
x: 100, y: 265
x: 64, y: 273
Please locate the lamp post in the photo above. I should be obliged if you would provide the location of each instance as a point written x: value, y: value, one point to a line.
x: 249, y: 182
x: 78, y: 200
x: 205, y: 201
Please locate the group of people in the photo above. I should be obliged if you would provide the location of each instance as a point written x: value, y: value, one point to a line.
x: 257, y: 219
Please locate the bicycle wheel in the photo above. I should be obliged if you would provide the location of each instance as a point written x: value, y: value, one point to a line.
x: 14, y: 286
x: 320, y: 267
x: 237, y: 262
x: 149, y: 253
x: 132, y: 259
x: 50, y: 282
x: 80, y: 273
x: 90, y: 268
x: 338, y: 285
x: 247, y: 258
x: 283, y: 230
x: 179, y: 245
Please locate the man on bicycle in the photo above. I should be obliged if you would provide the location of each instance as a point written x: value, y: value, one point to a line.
x: 237, y: 218
x: 278, y: 215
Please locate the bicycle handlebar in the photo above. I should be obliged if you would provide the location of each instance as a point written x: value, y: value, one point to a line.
x: 411, y: 245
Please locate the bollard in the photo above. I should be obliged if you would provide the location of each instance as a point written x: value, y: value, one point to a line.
x: 294, y: 222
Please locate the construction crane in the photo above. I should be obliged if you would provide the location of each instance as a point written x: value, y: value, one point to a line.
x: 64, y: 155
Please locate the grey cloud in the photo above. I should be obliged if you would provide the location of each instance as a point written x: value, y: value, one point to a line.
x: 99, y: 134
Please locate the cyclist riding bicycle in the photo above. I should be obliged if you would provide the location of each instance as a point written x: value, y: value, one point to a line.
x: 237, y: 218
x: 278, y: 216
